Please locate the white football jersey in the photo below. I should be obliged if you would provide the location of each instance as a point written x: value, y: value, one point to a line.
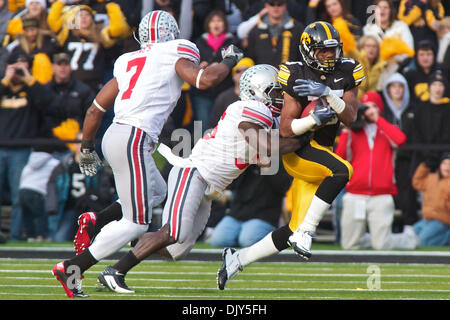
x: 222, y: 155
x: 149, y: 86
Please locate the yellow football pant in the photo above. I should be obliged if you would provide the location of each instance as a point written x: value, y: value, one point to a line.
x: 316, y: 171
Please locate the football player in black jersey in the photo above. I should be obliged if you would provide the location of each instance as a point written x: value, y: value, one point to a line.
x: 319, y: 174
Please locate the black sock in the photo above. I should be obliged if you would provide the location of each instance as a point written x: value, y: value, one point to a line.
x: 84, y: 261
x: 110, y: 213
x: 127, y: 262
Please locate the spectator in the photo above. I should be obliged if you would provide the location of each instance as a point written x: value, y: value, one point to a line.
x: 5, y: 16
x: 230, y: 95
x: 215, y: 37
x: 422, y: 16
x: 401, y: 112
x: 336, y: 13
x: 432, y: 116
x: 32, y: 192
x: 201, y: 9
x: 369, y: 196
x: 70, y: 97
x: 39, y: 45
x: 255, y: 208
x: 368, y: 54
x: 419, y: 70
x: 70, y: 193
x: 34, y: 9
x: 22, y: 99
x: 276, y: 37
x: 246, y: 26
x: 395, y: 37
x: 434, y: 228
x: 443, y: 56
x: 85, y: 41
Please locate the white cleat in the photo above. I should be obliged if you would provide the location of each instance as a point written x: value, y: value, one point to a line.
x: 230, y: 267
x: 301, y: 243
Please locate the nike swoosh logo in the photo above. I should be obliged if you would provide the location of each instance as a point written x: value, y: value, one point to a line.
x: 337, y: 80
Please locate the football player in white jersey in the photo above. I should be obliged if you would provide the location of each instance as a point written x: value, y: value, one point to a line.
x: 144, y: 91
x: 216, y: 160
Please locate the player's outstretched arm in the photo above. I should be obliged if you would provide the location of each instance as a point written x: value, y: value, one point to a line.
x: 102, y: 103
x: 89, y: 160
x: 212, y: 74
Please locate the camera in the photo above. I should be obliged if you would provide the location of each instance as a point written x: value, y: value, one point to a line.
x: 360, y: 118
x: 19, y: 72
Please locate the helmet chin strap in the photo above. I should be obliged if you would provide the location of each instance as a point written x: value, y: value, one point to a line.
x: 135, y: 38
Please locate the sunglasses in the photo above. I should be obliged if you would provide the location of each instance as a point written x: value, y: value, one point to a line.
x: 276, y: 3
x: 240, y: 70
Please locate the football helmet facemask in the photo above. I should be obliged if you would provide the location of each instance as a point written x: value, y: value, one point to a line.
x: 157, y: 26
x: 260, y: 83
x: 320, y: 35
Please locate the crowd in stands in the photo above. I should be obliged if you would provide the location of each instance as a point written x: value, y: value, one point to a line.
x: 56, y: 55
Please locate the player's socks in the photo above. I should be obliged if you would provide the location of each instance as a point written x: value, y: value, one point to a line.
x: 84, y: 261
x: 315, y: 213
x: 126, y: 263
x: 105, y: 216
x: 261, y: 249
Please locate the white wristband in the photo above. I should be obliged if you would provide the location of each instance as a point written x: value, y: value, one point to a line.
x: 197, y: 81
x: 300, y: 126
x: 336, y: 103
x: 99, y: 107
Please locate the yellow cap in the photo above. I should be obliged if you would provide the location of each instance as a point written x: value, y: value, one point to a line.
x: 244, y: 62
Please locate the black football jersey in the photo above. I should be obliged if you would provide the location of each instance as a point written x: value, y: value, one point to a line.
x: 87, y: 58
x: 347, y: 74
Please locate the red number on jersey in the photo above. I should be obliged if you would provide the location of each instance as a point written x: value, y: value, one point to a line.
x: 139, y: 64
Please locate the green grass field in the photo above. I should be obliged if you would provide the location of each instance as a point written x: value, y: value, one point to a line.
x: 22, y: 279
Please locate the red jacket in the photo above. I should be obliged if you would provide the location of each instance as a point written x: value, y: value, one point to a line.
x: 373, y: 169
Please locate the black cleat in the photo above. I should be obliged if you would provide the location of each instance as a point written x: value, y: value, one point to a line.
x: 114, y: 280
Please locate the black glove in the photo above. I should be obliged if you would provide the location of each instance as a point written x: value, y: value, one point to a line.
x: 322, y: 112
x: 89, y: 160
x: 231, y: 56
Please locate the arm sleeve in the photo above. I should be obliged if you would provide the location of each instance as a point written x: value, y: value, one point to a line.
x: 255, y: 114
x: 393, y: 133
x: 420, y: 176
x: 341, y: 148
x: 187, y: 49
x: 244, y: 27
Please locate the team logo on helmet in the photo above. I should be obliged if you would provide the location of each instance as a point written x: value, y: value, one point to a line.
x: 320, y: 35
x: 158, y: 26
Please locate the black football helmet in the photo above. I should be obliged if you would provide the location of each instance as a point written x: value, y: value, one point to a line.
x: 320, y: 35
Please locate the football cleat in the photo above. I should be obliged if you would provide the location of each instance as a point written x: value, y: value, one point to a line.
x: 73, y: 290
x: 85, y: 232
x: 114, y: 280
x: 230, y: 267
x: 301, y: 243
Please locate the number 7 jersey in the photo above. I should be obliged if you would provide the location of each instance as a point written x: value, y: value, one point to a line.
x: 149, y: 86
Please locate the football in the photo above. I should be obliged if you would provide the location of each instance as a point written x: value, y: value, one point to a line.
x: 308, y: 109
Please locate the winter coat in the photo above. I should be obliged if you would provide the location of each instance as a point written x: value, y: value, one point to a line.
x: 436, y: 192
